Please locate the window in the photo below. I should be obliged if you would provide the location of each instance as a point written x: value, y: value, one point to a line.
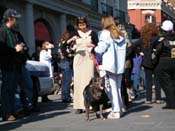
x: 150, y: 19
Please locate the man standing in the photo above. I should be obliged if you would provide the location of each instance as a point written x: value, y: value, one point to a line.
x: 10, y: 64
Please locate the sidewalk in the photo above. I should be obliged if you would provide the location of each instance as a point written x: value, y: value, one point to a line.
x: 56, y: 116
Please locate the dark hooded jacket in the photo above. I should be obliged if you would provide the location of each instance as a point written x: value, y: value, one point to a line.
x: 166, y: 45
x: 9, y: 58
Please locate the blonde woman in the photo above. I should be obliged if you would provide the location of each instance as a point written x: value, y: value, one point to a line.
x: 112, y: 47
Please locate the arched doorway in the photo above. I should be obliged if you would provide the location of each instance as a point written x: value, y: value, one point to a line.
x: 42, y: 32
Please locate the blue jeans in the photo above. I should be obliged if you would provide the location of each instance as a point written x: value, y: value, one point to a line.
x: 135, y: 78
x: 66, y: 80
x: 142, y: 76
x: 26, y: 88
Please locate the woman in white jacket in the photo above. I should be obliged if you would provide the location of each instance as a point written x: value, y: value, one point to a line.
x: 112, y: 47
x: 46, y: 56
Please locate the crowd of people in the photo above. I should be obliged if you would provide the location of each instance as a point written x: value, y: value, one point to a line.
x: 119, y: 61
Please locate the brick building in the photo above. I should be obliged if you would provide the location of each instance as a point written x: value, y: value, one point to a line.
x: 146, y: 11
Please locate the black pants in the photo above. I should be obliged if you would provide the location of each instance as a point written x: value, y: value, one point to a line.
x: 149, y: 83
x: 8, y: 88
x: 166, y: 77
x: 125, y: 84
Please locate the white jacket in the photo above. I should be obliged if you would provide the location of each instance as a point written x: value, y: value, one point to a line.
x: 46, y: 58
x: 113, y: 52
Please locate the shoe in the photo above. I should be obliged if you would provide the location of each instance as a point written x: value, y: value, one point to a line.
x: 9, y: 118
x: 67, y: 101
x: 114, y: 115
x: 159, y: 102
x: 148, y: 102
x: 45, y: 99
x: 79, y: 111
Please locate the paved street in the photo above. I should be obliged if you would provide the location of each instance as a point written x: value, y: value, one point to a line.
x: 56, y: 116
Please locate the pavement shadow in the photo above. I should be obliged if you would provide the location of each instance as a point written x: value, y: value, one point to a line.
x: 18, y: 123
x: 47, y: 110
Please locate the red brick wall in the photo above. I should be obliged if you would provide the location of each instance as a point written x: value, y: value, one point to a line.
x: 135, y: 17
x: 138, y: 19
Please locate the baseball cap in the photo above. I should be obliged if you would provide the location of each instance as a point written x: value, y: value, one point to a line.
x: 11, y: 13
x: 167, y: 25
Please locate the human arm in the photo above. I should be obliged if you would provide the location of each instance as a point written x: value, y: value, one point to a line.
x: 72, y: 39
x: 45, y: 55
x: 104, y: 42
x: 94, y: 38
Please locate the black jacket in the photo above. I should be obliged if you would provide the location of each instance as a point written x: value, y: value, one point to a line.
x: 9, y: 58
x: 147, y: 58
x: 166, y: 46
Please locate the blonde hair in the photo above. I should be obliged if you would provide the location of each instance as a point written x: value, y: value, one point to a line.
x: 108, y: 23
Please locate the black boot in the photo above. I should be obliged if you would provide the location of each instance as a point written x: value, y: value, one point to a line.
x: 45, y: 99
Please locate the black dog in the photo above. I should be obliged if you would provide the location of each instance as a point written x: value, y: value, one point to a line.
x: 95, y: 96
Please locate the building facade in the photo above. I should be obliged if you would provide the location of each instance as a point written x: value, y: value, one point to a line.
x: 47, y: 19
x: 146, y: 11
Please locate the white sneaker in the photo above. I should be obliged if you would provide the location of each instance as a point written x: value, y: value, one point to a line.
x: 114, y: 115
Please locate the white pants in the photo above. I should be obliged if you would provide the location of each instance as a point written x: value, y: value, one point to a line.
x: 114, y: 92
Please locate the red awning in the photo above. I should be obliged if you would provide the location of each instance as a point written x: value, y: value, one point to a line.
x: 41, y: 32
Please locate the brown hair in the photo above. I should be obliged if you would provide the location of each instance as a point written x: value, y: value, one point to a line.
x: 108, y: 23
x: 44, y: 45
x: 148, y: 31
x: 82, y: 19
x: 65, y: 36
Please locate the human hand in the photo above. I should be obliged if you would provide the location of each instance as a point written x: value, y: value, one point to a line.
x: 90, y: 45
x: 89, y: 49
x: 49, y: 45
x: 141, y: 53
x: 19, y: 47
x: 74, y: 38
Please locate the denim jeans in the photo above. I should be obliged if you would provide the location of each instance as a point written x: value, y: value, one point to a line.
x: 26, y: 88
x: 135, y: 78
x: 66, y: 80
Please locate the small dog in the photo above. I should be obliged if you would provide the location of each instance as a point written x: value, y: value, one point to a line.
x: 95, y: 96
x: 57, y: 83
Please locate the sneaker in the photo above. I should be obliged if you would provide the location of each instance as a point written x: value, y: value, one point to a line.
x: 148, y: 102
x: 159, y: 102
x: 114, y: 115
x: 79, y: 111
